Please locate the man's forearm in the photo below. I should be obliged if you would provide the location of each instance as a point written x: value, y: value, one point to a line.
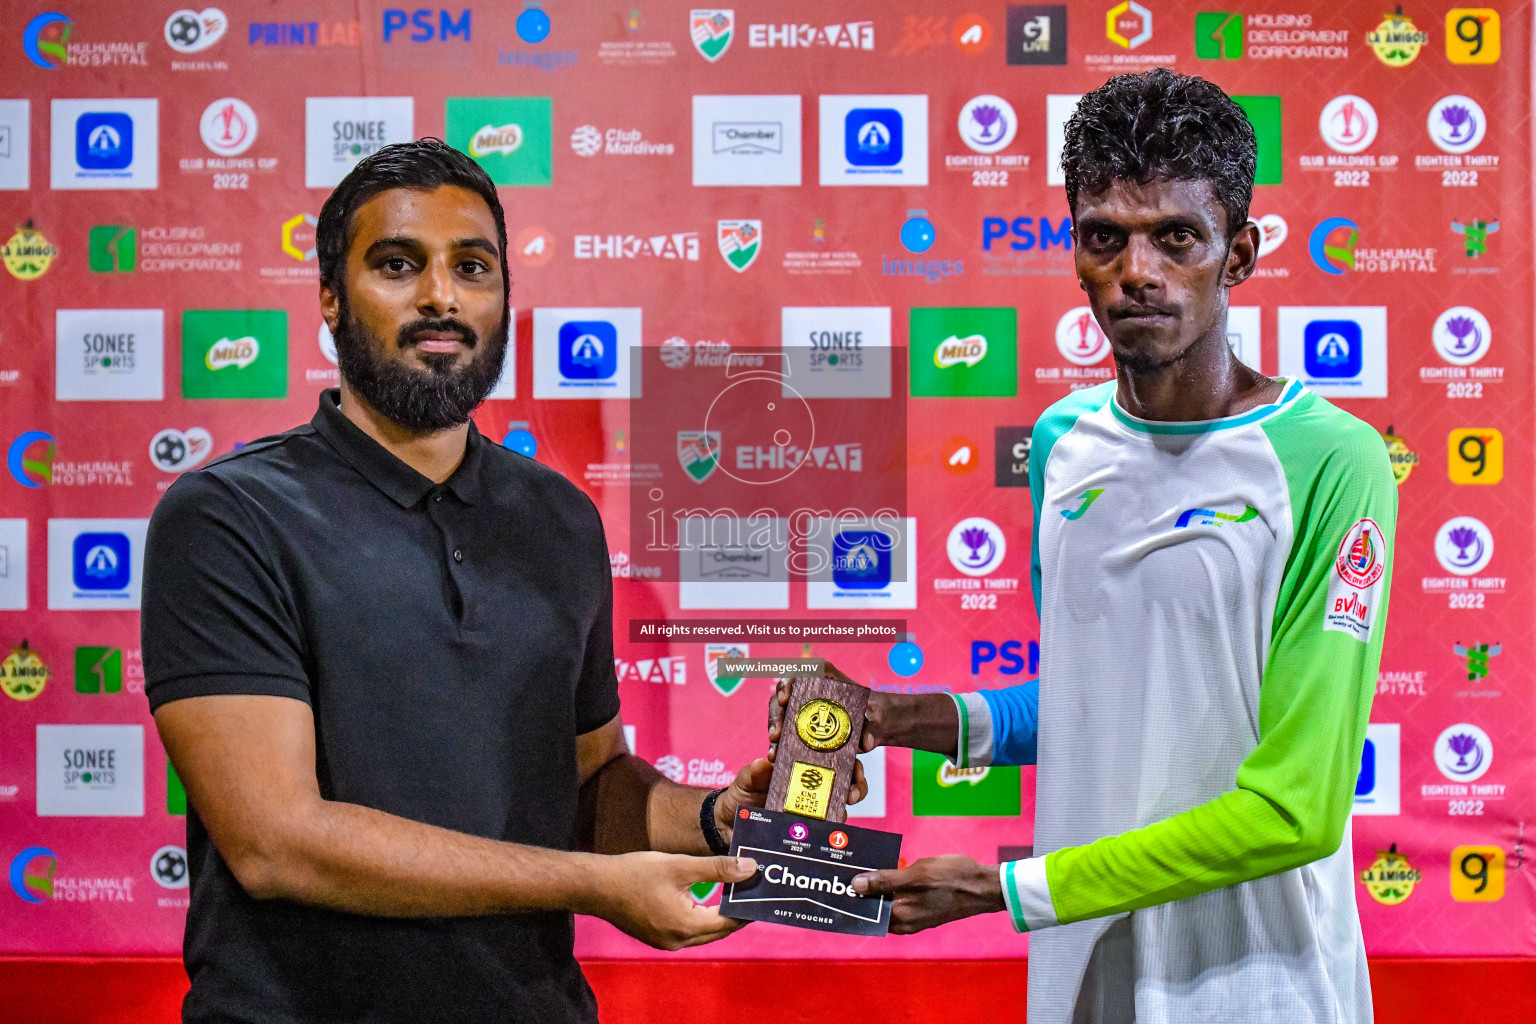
x: 364, y: 861
x: 924, y: 721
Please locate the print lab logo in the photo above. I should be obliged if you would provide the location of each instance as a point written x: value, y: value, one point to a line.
x: 189, y: 31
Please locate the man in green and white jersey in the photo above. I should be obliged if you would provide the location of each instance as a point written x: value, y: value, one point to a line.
x: 1211, y: 559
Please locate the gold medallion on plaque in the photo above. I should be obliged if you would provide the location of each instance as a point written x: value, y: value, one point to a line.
x: 823, y: 724
x: 810, y: 789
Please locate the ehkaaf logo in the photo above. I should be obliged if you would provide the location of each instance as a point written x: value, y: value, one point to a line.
x: 425, y: 25
x: 852, y: 35
x: 673, y: 669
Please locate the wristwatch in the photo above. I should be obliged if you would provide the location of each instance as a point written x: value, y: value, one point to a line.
x: 712, y: 836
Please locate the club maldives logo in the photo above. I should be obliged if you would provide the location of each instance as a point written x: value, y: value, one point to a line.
x: 976, y: 546
x: 1457, y: 124
x: 1338, y: 255
x: 1463, y: 753
x: 711, y: 30
x: 740, y: 242
x: 1475, y: 233
x: 988, y: 123
x: 1360, y: 562
x: 1348, y: 124
x: 32, y: 872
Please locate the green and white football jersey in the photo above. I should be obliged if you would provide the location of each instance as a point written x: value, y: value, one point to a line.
x: 1212, y: 601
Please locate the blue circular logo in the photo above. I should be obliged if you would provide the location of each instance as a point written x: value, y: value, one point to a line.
x: 522, y: 441
x: 533, y: 25
x: 905, y: 658
x: 917, y: 234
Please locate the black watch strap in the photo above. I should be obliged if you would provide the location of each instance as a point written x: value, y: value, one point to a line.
x: 712, y: 836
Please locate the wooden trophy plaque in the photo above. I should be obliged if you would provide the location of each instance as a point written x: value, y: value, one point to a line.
x: 818, y: 744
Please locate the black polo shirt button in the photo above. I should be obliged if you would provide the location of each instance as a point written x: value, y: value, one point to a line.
x: 437, y: 497
x: 458, y: 555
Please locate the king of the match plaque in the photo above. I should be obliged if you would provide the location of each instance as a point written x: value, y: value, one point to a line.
x: 818, y: 746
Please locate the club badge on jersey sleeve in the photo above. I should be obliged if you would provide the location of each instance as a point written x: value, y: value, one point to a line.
x: 1355, y: 586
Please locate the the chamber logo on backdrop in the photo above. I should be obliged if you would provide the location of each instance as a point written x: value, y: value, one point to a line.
x: 90, y: 771
x: 1037, y: 33
x: 234, y: 353
x: 105, y: 144
x: 511, y: 137
x: 746, y: 140
x: 15, y: 145
x: 95, y: 563
x: 341, y: 130
x: 585, y: 353
x: 109, y: 355
x: 874, y: 140
x: 963, y: 352
x: 1338, y: 351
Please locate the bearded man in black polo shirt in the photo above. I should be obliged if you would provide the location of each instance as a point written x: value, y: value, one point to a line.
x: 379, y: 652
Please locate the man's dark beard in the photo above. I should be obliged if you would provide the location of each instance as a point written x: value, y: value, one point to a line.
x: 423, y: 402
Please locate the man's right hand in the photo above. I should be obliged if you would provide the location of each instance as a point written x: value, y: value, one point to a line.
x: 925, y: 721
x: 646, y: 895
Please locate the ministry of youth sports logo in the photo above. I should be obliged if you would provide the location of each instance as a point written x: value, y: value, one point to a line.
x: 1362, y: 560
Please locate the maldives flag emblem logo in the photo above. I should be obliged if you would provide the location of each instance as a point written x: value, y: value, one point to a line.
x: 698, y: 452
x: 712, y: 30
x: 1361, y: 561
x: 740, y: 241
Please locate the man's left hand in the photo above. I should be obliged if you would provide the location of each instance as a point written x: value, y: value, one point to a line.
x: 935, y: 891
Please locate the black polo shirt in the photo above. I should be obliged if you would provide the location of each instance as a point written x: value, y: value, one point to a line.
x: 452, y: 640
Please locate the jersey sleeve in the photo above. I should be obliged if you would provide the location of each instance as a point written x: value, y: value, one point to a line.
x: 999, y: 727
x: 1294, y: 792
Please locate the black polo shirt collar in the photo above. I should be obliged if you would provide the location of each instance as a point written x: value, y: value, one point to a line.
x: 398, y: 481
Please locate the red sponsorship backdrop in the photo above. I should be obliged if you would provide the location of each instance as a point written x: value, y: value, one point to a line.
x: 626, y: 158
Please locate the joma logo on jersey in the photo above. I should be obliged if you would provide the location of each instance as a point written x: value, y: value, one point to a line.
x: 652, y: 670
x: 1089, y: 497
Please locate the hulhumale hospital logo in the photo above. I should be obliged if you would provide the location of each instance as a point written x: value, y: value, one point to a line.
x: 1332, y: 245
x: 46, y: 40
x: 32, y: 872
x: 34, y: 470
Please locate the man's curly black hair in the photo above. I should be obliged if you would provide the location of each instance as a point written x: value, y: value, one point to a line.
x: 1162, y: 125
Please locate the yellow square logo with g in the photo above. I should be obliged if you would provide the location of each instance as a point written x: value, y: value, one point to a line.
x: 1472, y: 35
x: 1477, y: 874
x: 1476, y: 455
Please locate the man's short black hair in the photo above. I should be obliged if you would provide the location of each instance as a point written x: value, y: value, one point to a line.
x: 424, y: 165
x: 1161, y: 125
